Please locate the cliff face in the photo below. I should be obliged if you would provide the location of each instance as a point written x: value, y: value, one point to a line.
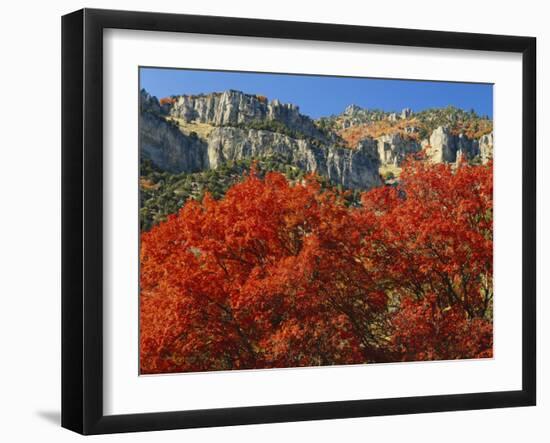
x: 393, y: 149
x: 171, y: 150
x: 443, y: 146
x: 354, y: 169
x: 168, y: 148
x: 232, y: 108
x: 235, y: 132
x: 486, y: 147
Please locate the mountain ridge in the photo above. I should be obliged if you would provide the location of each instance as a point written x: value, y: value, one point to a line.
x: 194, y: 134
x: 444, y: 134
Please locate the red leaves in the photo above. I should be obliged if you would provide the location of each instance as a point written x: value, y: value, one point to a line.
x: 425, y: 331
x: 435, y: 251
x: 435, y: 233
x: 279, y: 275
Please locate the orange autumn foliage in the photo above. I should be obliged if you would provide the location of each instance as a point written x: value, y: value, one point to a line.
x: 279, y: 275
x: 374, y: 129
x: 167, y: 100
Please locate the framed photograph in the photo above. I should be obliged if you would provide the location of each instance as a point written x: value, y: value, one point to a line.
x: 269, y: 221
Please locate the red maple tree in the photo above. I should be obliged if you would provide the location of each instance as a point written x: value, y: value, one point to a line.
x: 277, y: 274
x: 432, y: 240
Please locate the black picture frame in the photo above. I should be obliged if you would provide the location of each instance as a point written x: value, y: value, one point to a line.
x: 82, y: 215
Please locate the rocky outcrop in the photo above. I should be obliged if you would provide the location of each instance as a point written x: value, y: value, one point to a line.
x: 304, y: 146
x: 352, y: 110
x: 443, y: 146
x: 233, y: 108
x: 168, y: 148
x: 164, y: 144
x: 171, y: 150
x: 358, y: 168
x: 486, y: 147
x: 354, y: 169
x: 406, y: 113
x: 393, y: 149
x: 148, y: 104
x: 466, y: 147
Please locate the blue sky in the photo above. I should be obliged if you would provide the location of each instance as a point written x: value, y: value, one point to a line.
x: 320, y: 95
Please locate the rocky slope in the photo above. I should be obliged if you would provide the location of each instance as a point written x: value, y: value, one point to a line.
x: 445, y: 134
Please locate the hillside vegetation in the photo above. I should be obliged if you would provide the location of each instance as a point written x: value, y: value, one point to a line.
x: 163, y: 193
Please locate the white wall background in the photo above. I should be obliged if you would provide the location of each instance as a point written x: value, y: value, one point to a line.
x: 30, y: 219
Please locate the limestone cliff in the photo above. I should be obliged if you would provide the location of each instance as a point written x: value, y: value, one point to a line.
x: 443, y: 146
x: 168, y: 148
x: 393, y: 149
x: 239, y: 128
x: 171, y: 150
x: 354, y: 169
x: 232, y: 108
